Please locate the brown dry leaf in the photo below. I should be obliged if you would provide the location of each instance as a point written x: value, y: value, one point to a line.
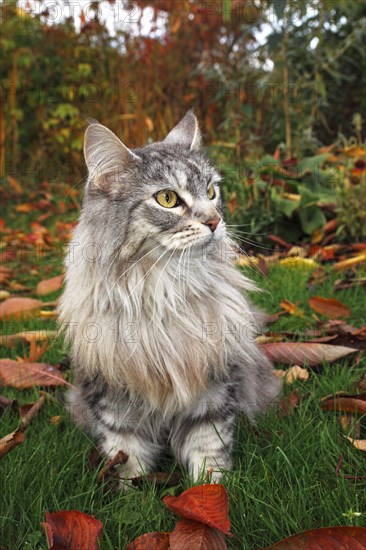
x: 344, y: 402
x: 149, y: 123
x: 329, y: 538
x: 151, y: 541
x: 12, y: 440
x: 18, y: 287
x: 25, y: 208
x: 120, y: 458
x: 14, y: 308
x: 292, y: 374
x: 11, y: 340
x: 35, y: 352
x: 55, y: 420
x: 360, y: 444
x: 27, y: 375
x: 301, y: 353
x: 15, y: 185
x: 72, y: 529
x: 28, y: 412
x: 49, y: 285
x: 160, y: 479
x: 291, y: 308
x: 348, y: 424
x: 350, y: 262
x: 329, y: 307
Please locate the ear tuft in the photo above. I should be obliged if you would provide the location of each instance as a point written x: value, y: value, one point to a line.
x: 186, y: 133
x: 105, y: 154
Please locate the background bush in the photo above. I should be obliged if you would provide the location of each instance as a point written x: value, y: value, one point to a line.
x: 271, y: 77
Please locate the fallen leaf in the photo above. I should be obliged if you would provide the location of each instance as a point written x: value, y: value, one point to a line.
x: 12, y: 440
x: 348, y: 424
x: 292, y: 374
x: 160, y: 479
x: 360, y: 444
x: 206, y: 503
x: 11, y: 340
x: 26, y: 375
x: 28, y: 411
x: 291, y: 308
x: 4, y: 294
x: 196, y: 536
x: 49, y: 285
x: 19, y: 307
x: 49, y: 314
x: 35, y: 352
x: 15, y: 185
x: 151, y: 541
x: 73, y: 530
x: 332, y: 538
x: 55, y: 420
x: 350, y: 262
x: 288, y: 403
x: 343, y: 402
x: 329, y: 307
x: 301, y: 353
x: 119, y: 458
x: 298, y: 262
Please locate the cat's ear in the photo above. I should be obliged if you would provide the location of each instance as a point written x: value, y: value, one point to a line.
x: 105, y: 155
x: 186, y: 133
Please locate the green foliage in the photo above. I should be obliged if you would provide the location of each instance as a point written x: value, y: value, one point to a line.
x: 285, y: 201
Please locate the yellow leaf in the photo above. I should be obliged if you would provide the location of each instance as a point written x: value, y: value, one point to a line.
x: 360, y: 444
x: 292, y: 374
x: 299, y: 262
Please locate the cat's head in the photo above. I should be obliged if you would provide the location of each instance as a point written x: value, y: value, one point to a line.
x: 166, y: 193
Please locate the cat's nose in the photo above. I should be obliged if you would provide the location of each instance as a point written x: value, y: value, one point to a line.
x: 213, y: 223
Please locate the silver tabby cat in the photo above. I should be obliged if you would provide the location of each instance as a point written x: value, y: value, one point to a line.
x: 162, y: 336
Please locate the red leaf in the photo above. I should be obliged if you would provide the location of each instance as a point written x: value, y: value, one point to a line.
x: 196, y: 536
x: 49, y: 285
x: 207, y: 504
x: 334, y: 538
x: 300, y: 353
x: 351, y: 403
x: 72, y: 530
x: 150, y: 541
x: 329, y: 307
x: 19, y: 307
x: 27, y: 375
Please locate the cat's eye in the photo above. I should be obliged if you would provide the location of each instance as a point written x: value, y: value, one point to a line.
x: 168, y: 199
x: 211, y: 193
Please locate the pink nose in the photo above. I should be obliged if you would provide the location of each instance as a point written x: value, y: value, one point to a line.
x: 212, y: 224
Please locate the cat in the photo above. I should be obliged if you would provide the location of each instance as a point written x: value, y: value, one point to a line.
x: 162, y: 336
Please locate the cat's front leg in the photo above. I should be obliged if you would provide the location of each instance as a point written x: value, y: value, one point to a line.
x: 203, y: 440
x: 119, y: 423
x: 142, y: 453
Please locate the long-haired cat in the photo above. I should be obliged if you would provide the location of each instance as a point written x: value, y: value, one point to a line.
x: 162, y: 336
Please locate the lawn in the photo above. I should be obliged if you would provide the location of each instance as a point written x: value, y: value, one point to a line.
x: 284, y: 478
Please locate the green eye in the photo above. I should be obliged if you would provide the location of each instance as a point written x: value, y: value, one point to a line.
x: 168, y: 199
x: 211, y: 193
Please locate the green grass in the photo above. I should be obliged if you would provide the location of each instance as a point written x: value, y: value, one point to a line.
x: 284, y: 478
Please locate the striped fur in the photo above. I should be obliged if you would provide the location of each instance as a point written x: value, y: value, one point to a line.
x: 162, y: 336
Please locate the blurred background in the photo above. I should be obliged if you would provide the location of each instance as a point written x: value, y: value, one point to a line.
x: 279, y: 87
